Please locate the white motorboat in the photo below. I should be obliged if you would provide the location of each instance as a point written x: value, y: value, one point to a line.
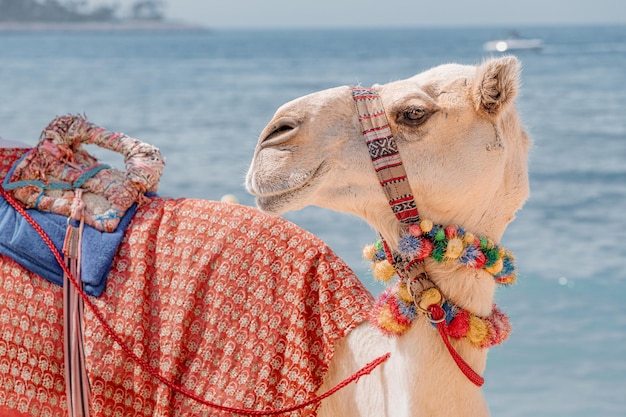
x: 512, y: 43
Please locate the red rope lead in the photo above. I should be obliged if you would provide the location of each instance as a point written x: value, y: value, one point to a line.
x: 438, y: 315
x: 366, y: 370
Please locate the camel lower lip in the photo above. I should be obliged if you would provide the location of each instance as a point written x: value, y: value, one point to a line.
x: 270, y: 204
x: 269, y: 199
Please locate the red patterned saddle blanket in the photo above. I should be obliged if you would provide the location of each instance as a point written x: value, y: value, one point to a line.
x: 241, y: 308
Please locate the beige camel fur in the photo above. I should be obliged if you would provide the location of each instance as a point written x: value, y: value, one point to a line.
x: 465, y: 157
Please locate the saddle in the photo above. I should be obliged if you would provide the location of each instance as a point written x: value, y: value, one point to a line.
x: 47, y: 177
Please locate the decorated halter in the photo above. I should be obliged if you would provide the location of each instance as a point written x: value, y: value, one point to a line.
x: 414, y: 293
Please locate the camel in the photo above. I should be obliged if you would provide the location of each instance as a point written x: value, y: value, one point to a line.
x: 464, y: 151
x: 158, y: 302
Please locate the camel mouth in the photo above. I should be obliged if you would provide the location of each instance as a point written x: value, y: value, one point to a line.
x: 273, y: 200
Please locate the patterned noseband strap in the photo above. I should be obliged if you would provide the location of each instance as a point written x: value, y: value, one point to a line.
x: 384, y: 153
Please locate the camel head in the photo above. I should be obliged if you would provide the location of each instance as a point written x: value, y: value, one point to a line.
x: 457, y: 131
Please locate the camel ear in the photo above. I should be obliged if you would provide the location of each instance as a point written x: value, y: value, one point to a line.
x: 495, y: 85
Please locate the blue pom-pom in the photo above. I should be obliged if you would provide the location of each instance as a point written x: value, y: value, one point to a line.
x: 379, y: 256
x: 469, y: 255
x: 407, y: 310
x: 507, y: 267
x: 409, y: 245
x: 433, y: 232
x: 450, y: 310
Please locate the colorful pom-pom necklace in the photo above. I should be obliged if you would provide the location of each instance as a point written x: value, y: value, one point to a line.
x: 397, y: 306
x: 395, y: 309
x: 450, y: 243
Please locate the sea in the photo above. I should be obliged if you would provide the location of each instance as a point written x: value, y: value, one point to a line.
x: 203, y: 98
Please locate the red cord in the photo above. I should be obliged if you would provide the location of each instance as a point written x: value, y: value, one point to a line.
x: 438, y: 314
x: 366, y: 370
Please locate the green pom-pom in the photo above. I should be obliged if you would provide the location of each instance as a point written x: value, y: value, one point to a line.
x: 439, y: 251
x: 491, y: 255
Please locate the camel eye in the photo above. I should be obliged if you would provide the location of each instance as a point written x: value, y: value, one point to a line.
x: 415, y: 115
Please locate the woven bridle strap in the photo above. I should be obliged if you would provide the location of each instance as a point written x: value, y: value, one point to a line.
x: 392, y: 177
x: 384, y: 153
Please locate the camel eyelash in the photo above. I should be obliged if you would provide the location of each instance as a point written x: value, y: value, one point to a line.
x: 413, y: 116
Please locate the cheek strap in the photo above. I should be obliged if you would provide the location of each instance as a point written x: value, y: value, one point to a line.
x: 384, y: 153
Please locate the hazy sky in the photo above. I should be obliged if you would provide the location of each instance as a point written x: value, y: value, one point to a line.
x: 388, y: 13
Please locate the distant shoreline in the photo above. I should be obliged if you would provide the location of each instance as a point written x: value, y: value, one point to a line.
x: 122, y: 25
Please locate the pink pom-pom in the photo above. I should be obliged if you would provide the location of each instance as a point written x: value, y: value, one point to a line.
x: 480, y: 260
x: 425, y: 250
x: 415, y: 230
x: 451, y: 232
x: 499, y: 328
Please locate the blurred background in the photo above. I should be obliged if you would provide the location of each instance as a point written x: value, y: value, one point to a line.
x: 201, y: 79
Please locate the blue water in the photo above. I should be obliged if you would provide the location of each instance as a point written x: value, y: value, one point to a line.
x: 203, y: 98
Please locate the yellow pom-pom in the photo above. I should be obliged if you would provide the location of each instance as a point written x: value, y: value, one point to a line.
x: 469, y: 238
x: 496, y: 267
x: 403, y: 294
x: 369, y: 251
x: 477, y: 332
x: 383, y: 271
x: 426, y: 225
x: 455, y: 248
x: 387, y: 320
x: 429, y: 297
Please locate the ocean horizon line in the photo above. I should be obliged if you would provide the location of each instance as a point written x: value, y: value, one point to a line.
x: 103, y: 26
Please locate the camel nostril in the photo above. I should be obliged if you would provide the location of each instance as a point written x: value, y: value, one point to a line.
x: 280, y: 130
